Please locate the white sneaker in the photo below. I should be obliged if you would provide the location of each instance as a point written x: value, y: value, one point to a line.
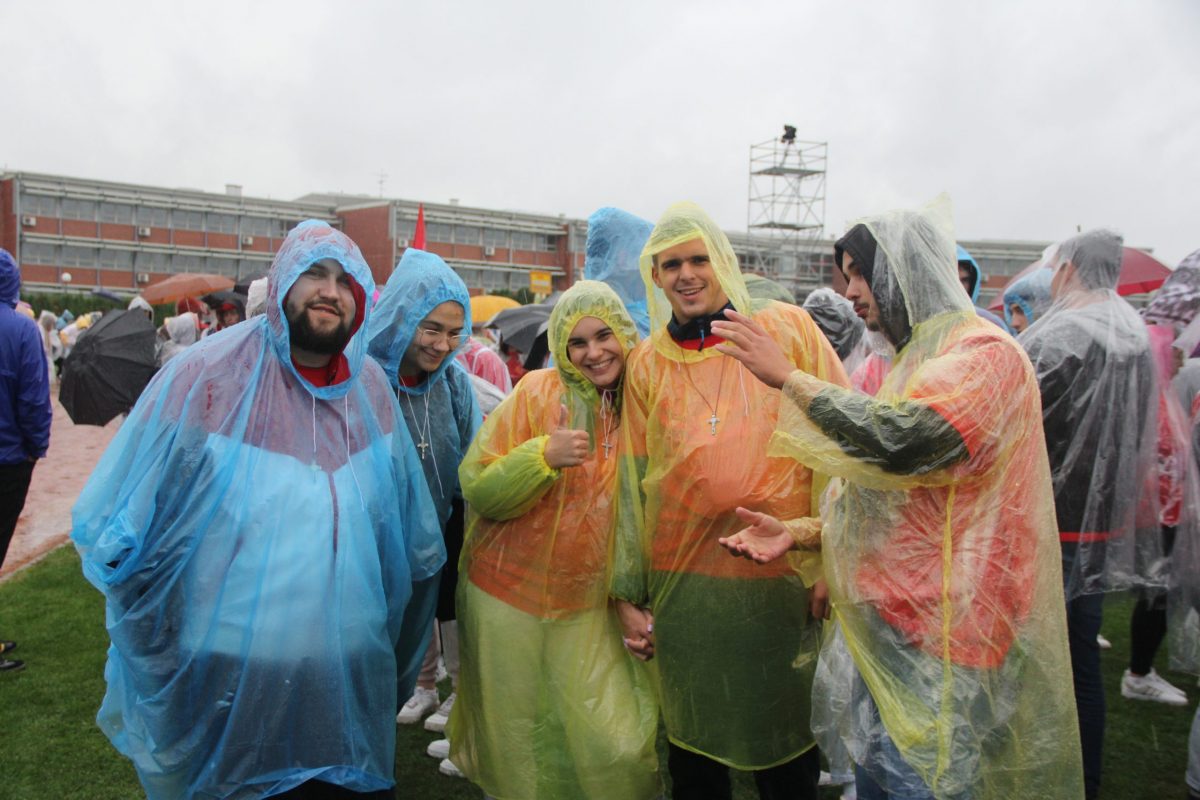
x: 437, y: 720
x: 421, y: 703
x: 438, y: 748
x: 1151, y: 687
x: 850, y: 791
x: 447, y: 768
x: 1102, y: 643
x: 825, y: 779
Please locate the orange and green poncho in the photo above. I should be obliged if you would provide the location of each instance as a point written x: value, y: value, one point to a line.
x: 734, y: 642
x: 549, y: 702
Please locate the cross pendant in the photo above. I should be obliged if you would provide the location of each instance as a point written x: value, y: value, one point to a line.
x: 423, y: 446
x: 712, y: 423
x: 608, y: 446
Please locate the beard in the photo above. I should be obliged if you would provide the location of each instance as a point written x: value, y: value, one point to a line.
x: 303, y: 337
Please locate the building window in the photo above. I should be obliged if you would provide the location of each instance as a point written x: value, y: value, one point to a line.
x: 185, y: 262
x: 522, y: 240
x: 151, y: 261
x: 39, y: 253
x: 251, y: 269
x: 466, y: 234
x: 222, y: 223
x: 186, y: 220
x: 437, y: 232
x: 548, y: 243
x: 257, y: 226
x: 222, y: 265
x: 116, y: 259
x: 495, y: 237
x: 152, y: 216
x: 78, y: 256
x: 39, y: 205
x: 116, y: 212
x: 73, y: 208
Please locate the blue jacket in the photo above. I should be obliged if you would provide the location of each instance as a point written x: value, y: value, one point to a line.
x: 257, y: 538
x: 967, y: 260
x: 24, y: 383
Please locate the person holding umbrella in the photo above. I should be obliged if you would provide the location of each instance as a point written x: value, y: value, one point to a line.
x: 24, y: 413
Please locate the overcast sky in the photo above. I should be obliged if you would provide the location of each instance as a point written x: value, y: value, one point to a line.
x: 1034, y: 116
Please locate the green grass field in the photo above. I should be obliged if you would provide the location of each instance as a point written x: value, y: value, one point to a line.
x: 52, y: 748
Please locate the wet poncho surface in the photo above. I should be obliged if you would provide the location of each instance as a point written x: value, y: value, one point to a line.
x: 549, y: 703
x: 734, y: 642
x: 256, y: 537
x: 1091, y: 354
x: 440, y: 410
x: 1031, y: 294
x: 615, y: 239
x: 939, y: 543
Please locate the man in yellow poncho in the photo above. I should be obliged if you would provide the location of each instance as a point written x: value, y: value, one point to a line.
x: 549, y: 704
x: 939, y: 540
x: 735, y: 644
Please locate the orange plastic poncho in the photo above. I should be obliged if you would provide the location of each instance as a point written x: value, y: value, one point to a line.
x: 734, y: 642
x: 943, y: 565
x: 549, y: 702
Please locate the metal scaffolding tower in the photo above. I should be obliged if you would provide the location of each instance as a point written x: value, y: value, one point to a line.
x: 786, y: 214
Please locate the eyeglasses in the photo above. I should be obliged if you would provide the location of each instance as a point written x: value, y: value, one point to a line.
x: 430, y: 337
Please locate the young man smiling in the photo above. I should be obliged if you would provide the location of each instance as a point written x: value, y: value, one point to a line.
x: 736, y: 646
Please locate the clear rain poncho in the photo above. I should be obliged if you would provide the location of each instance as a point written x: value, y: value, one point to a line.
x: 835, y: 317
x: 717, y: 616
x: 1091, y: 354
x: 256, y: 538
x: 939, y: 542
x: 615, y: 240
x: 549, y: 702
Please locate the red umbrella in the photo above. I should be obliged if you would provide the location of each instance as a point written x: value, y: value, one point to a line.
x: 1140, y: 273
x: 185, y: 284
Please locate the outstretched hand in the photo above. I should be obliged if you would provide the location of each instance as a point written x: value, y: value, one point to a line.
x: 749, y: 343
x: 765, y: 540
x: 566, y: 447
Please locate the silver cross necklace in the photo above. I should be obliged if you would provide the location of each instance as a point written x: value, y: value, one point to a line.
x: 714, y: 419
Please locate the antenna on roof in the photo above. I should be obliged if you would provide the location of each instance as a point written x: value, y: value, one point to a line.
x: 382, y: 178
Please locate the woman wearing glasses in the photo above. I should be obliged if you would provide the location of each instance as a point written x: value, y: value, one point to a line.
x: 550, y: 704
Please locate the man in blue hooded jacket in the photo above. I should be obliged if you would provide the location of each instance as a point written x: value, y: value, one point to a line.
x: 971, y: 279
x: 24, y: 413
x: 422, y: 318
x: 256, y: 527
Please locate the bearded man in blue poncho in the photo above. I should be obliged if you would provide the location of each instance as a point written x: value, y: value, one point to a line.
x: 256, y: 527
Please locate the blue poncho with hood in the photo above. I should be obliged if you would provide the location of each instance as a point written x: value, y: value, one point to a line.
x: 967, y: 261
x: 442, y: 408
x: 256, y: 538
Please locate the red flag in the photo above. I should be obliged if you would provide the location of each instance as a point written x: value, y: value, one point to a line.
x: 418, y: 240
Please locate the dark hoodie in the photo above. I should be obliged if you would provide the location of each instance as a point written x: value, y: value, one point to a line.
x: 24, y: 383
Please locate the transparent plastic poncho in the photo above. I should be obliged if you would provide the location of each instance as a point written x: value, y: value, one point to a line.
x: 1091, y: 354
x: 939, y: 543
x: 717, y: 616
x: 549, y: 702
x: 615, y: 240
x: 256, y: 537
x: 835, y: 317
x: 1178, y: 299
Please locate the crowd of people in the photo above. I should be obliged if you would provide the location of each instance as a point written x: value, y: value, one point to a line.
x: 879, y: 526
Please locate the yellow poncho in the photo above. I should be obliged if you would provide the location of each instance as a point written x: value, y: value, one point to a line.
x: 549, y: 703
x: 734, y: 642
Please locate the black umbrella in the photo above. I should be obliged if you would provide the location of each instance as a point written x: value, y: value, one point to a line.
x: 107, y: 295
x: 518, y: 327
x: 111, y: 363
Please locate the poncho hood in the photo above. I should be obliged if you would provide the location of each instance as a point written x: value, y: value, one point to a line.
x: 615, y: 240
x: 421, y: 282
x: 835, y: 317
x: 10, y: 279
x: 968, y: 261
x: 1031, y: 294
x: 587, y: 299
x: 307, y: 243
x: 680, y: 223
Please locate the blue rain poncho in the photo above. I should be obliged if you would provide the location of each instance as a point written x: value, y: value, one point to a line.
x: 441, y: 410
x: 1030, y: 293
x: 968, y: 261
x: 256, y: 538
x: 614, y: 245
